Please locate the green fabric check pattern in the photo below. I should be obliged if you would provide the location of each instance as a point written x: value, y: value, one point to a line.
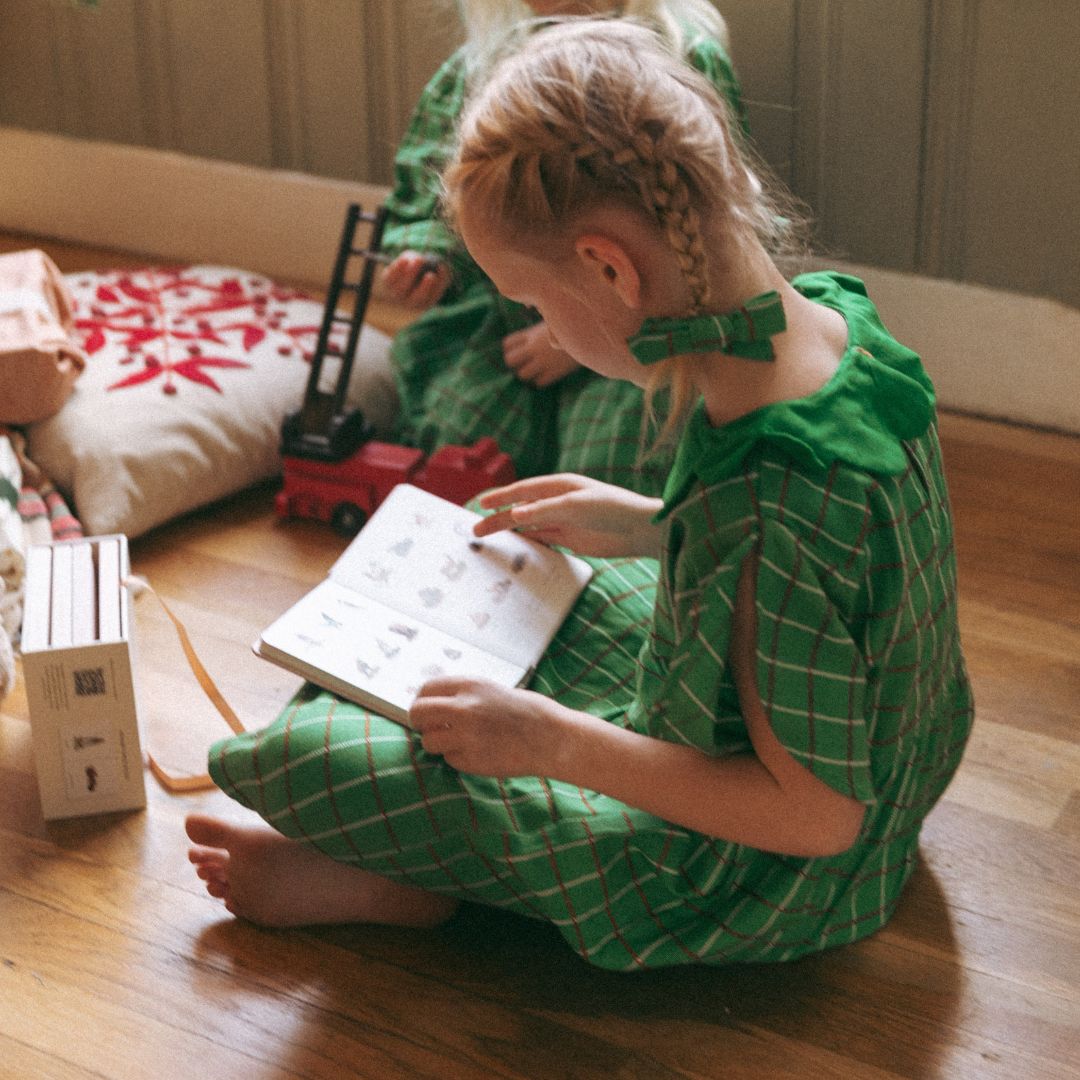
x: 453, y: 383
x: 859, y: 669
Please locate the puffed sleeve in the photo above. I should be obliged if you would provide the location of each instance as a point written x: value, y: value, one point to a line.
x: 811, y: 673
x: 687, y: 692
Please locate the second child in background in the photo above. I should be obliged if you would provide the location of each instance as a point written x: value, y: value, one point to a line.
x: 475, y: 363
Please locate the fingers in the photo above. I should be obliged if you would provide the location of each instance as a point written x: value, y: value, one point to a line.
x: 534, y: 358
x: 415, y: 280
x: 507, y: 520
x: 429, y: 288
x: 533, y: 516
x: 434, y: 711
x: 497, y: 522
x: 526, y: 503
x: 436, y: 702
x: 530, y: 489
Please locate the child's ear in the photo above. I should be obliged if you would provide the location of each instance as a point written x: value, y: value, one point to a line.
x: 612, y: 264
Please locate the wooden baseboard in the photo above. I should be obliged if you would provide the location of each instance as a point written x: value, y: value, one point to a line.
x: 990, y: 352
x: 172, y: 206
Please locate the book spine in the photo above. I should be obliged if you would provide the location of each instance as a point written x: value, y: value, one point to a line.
x: 38, y: 598
x: 83, y: 595
x: 60, y: 608
x: 109, y: 624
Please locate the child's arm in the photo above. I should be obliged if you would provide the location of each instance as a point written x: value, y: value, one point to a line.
x: 415, y: 222
x: 764, y: 799
x: 576, y: 512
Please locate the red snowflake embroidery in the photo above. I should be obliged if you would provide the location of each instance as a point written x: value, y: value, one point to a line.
x: 162, y: 308
x: 191, y: 368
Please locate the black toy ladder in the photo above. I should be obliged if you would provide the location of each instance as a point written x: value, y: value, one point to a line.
x: 322, y: 429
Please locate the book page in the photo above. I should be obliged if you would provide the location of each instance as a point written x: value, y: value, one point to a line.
x: 348, y: 642
x: 504, y: 593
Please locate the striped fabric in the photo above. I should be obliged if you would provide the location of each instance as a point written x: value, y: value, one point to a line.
x: 859, y: 670
x: 453, y: 383
x: 46, y: 514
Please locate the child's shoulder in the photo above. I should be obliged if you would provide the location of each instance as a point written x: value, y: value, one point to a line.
x: 838, y: 289
x: 848, y: 295
x: 892, y: 361
x: 451, y: 75
x: 711, y: 58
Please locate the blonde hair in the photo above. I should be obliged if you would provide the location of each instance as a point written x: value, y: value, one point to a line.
x: 493, y: 27
x: 594, y: 112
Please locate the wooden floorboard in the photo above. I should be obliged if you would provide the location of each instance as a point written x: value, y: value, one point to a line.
x: 115, y: 964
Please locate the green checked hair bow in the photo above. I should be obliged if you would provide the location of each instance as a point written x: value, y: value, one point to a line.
x: 744, y: 332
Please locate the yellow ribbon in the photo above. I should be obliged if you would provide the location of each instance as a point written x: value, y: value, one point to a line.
x: 187, y: 783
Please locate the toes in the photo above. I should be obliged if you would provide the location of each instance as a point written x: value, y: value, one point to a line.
x: 211, y: 872
x: 208, y: 831
x: 208, y: 860
x: 219, y: 890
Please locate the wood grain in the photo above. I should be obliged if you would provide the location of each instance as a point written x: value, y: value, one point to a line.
x: 115, y: 964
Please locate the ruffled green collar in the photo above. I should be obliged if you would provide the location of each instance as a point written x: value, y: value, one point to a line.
x: 745, y: 332
x: 878, y: 396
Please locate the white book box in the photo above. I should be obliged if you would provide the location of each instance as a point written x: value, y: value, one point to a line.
x: 79, y: 674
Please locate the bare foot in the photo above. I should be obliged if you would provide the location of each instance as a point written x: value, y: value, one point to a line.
x: 273, y: 881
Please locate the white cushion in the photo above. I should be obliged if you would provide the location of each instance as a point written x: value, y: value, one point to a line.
x: 190, y: 372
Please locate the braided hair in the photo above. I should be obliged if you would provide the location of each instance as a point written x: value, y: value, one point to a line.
x: 595, y: 111
x: 599, y: 111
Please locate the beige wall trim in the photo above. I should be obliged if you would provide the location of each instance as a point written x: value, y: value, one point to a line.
x: 173, y: 206
x: 990, y: 352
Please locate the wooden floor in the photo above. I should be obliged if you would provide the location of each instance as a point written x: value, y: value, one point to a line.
x: 115, y: 964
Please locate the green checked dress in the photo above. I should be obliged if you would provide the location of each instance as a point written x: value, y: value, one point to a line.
x: 859, y: 668
x: 452, y: 381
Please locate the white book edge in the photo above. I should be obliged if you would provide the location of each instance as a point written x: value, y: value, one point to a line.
x: 60, y: 608
x: 83, y: 595
x: 122, y: 587
x: 37, y: 601
x: 109, y: 626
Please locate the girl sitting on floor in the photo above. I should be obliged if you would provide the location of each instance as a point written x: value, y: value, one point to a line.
x: 738, y: 768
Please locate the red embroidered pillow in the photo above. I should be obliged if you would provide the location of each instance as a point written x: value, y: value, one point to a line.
x: 190, y: 372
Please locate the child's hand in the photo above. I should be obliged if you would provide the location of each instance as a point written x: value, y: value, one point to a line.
x: 585, y: 515
x: 530, y: 354
x: 415, y: 281
x: 490, y: 730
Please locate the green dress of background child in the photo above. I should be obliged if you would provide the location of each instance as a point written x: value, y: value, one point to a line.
x: 837, y: 498
x: 452, y: 380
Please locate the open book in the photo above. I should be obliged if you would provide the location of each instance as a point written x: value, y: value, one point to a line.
x: 416, y: 596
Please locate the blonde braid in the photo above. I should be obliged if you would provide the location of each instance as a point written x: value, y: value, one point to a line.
x: 665, y: 193
x: 596, y: 111
x: 671, y: 201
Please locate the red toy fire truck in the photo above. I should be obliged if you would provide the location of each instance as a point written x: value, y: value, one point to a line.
x: 333, y: 470
x: 345, y: 492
